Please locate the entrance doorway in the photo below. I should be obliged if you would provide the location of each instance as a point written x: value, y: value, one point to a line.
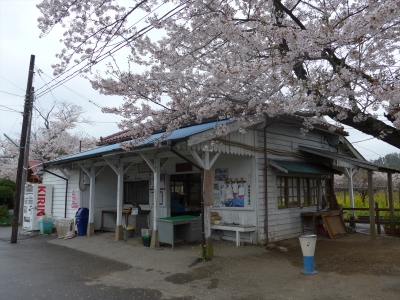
x: 185, y: 194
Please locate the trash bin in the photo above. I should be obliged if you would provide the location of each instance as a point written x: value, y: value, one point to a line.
x: 307, y: 243
x: 46, y: 225
x: 65, y: 228
x: 146, y: 237
x: 82, y: 217
x: 129, y: 233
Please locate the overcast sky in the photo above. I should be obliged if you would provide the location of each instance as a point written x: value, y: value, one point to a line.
x: 19, y: 38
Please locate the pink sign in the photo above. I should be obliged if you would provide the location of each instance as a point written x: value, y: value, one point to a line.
x: 74, y: 200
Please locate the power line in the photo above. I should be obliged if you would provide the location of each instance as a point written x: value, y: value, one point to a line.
x: 80, y: 95
x: 40, y: 75
x: 54, y: 98
x: 105, y: 122
x: 363, y: 140
x: 14, y: 124
x: 12, y: 83
x: 85, y: 98
x: 75, y: 92
x: 368, y: 150
x: 109, y: 52
x: 12, y: 94
x: 100, y: 58
x: 11, y: 109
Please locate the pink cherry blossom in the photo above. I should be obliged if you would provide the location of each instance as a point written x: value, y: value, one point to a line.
x: 196, y: 59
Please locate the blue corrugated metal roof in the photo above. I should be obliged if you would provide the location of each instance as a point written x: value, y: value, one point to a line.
x: 180, y: 133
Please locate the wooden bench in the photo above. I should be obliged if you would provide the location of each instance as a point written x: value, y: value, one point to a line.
x: 238, y: 229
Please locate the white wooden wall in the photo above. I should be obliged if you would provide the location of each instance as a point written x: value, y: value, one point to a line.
x: 282, y: 223
x: 59, y: 192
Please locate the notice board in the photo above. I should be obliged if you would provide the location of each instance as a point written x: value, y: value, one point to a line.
x: 335, y: 225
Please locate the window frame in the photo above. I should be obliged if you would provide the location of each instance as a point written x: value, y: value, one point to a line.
x: 308, y: 199
x: 125, y: 193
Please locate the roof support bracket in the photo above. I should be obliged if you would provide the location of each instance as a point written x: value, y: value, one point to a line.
x: 128, y: 167
x: 86, y: 170
x: 115, y: 169
x: 197, y: 158
x: 148, y: 161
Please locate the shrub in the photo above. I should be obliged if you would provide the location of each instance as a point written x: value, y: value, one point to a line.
x: 5, y: 215
x: 7, y: 188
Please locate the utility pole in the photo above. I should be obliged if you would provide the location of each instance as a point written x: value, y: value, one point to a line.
x: 26, y: 160
x: 24, y: 130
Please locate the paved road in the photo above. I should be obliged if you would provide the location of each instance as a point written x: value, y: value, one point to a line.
x: 34, y: 269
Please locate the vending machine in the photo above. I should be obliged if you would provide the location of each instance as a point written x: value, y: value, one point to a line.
x: 38, y: 201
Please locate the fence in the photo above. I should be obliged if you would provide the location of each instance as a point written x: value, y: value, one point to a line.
x: 366, y: 220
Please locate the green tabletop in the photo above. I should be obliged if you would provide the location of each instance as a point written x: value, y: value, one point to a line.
x: 179, y: 218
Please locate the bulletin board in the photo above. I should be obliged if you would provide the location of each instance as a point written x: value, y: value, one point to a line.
x: 224, y: 198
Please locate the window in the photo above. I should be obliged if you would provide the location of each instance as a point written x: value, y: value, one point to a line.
x: 288, y: 191
x: 309, y: 188
x: 136, y: 192
x: 300, y: 191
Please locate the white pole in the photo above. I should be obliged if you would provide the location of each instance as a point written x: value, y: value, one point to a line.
x: 350, y: 173
x: 154, y: 235
x: 120, y: 184
x: 207, y: 211
x: 156, y: 191
x: 90, y: 229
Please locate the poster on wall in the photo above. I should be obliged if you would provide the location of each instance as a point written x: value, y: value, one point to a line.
x: 221, y: 174
x: 74, y: 203
x: 229, y: 194
x: 161, y: 198
x: 162, y: 182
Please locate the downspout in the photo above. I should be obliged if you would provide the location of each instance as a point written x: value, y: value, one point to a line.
x: 266, y: 180
x: 66, y: 190
x: 203, y: 234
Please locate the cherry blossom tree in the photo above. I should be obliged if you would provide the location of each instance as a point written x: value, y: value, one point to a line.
x: 237, y: 59
x: 56, y: 136
x: 8, y: 159
x: 360, y: 182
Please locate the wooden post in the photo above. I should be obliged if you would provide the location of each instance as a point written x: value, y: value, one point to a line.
x: 26, y: 162
x: 349, y: 173
x: 371, y: 206
x: 391, y: 203
x: 24, y: 131
x: 378, y: 221
x: 386, y: 197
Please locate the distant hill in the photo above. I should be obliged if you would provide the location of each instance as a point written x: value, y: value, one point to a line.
x: 391, y: 160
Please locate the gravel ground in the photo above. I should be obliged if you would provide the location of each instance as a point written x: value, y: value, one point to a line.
x: 350, y: 267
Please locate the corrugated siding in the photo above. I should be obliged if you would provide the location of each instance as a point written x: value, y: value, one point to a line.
x: 59, y: 186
